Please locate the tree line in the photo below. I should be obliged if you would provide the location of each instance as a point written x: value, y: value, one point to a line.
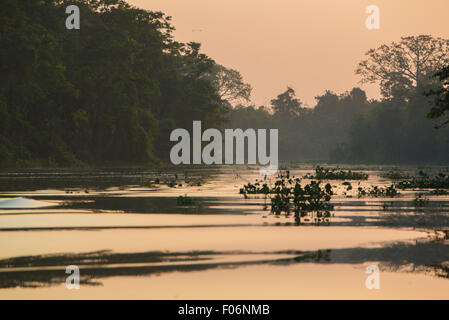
x: 406, y: 126
x: 111, y: 92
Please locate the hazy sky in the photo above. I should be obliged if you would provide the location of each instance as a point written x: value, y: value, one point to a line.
x: 310, y: 45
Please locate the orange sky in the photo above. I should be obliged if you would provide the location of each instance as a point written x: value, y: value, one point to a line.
x: 310, y: 45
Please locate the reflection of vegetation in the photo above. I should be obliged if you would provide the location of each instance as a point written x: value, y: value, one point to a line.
x: 96, y: 258
x: 93, y: 265
x: 420, y: 200
x: 387, y: 205
x: 184, y: 201
x: 424, y: 256
x: 289, y: 195
x: 439, y: 192
x: 82, y: 180
x: 103, y: 264
x: 426, y: 219
x: 336, y: 174
x: 137, y: 204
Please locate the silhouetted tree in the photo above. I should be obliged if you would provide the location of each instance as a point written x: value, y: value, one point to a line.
x: 230, y: 85
x: 286, y: 104
x: 405, y: 65
x: 441, y: 108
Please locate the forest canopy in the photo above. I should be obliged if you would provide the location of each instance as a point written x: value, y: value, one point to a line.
x: 111, y: 92
x: 108, y: 93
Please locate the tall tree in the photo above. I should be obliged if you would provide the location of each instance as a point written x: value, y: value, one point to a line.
x: 230, y: 85
x: 404, y: 65
x: 286, y: 104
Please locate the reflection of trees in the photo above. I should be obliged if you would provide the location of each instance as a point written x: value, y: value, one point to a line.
x: 48, y: 270
x: 422, y: 256
x: 417, y: 256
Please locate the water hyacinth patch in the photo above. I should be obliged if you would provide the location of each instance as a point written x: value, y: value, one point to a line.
x: 311, y: 201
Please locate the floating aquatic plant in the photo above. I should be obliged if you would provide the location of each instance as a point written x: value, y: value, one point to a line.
x: 423, y: 180
x: 375, y: 191
x: 288, y: 195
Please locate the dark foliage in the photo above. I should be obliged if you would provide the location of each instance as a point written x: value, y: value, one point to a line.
x: 108, y: 93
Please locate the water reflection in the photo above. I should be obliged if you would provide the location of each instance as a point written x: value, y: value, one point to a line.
x: 158, y: 236
x: 431, y: 256
x: 101, y: 179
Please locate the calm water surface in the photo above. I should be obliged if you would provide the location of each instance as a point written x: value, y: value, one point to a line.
x: 131, y: 239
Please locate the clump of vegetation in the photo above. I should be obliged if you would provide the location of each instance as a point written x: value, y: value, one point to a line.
x: 171, y: 183
x: 423, y: 180
x: 376, y: 191
x: 312, y: 198
x: 348, y: 185
x: 336, y: 174
x: 289, y: 196
x: 184, y: 201
x: 255, y: 188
